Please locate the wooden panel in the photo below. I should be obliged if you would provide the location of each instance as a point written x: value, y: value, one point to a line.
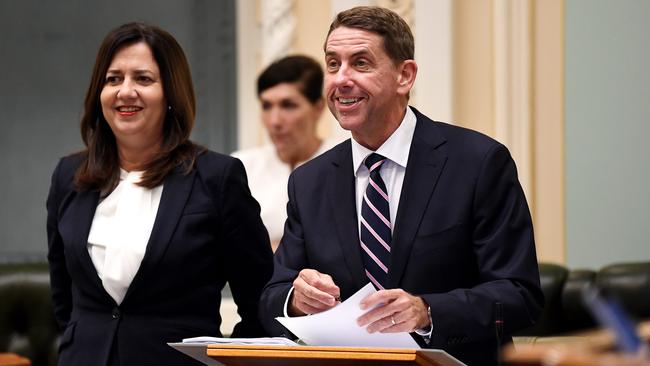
x: 236, y: 355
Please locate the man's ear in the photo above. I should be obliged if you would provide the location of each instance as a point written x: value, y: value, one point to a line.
x: 408, y: 70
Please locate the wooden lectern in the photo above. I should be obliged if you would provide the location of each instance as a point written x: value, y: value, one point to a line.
x: 254, y: 355
x: 10, y: 359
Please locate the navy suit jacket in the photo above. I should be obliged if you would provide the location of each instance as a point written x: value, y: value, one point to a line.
x: 462, y: 239
x: 207, y: 232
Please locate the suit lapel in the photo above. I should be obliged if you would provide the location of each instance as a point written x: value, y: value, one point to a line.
x: 85, y: 206
x: 342, y: 197
x: 176, y: 190
x: 424, y: 166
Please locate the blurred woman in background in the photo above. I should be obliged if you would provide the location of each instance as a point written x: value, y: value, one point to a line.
x: 291, y: 97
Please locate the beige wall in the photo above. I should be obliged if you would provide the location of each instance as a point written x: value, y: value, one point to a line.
x: 482, y: 61
x: 473, y: 58
x: 548, y: 132
x: 313, y: 20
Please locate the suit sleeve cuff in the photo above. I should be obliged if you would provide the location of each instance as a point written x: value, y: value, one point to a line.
x: 428, y: 331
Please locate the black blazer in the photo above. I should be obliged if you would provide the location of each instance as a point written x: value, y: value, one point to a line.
x: 463, y: 237
x: 207, y: 232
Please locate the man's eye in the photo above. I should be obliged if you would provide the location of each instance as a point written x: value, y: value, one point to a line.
x: 332, y: 65
x: 361, y: 63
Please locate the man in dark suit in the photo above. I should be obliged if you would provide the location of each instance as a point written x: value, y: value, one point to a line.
x: 432, y: 214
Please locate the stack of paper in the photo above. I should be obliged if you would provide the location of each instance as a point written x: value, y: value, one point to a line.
x: 268, y: 341
x: 197, y: 347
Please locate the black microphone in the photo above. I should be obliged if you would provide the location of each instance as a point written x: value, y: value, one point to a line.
x: 498, y: 328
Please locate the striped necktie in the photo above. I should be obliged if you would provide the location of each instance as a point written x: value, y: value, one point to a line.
x: 375, y: 225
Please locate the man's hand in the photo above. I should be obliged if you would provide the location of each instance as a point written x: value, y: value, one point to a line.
x: 396, y: 311
x: 313, y: 292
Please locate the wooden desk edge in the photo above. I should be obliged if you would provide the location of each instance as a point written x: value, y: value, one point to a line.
x: 313, y: 348
x: 281, y: 351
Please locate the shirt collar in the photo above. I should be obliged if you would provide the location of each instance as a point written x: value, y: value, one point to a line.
x: 133, y: 176
x: 396, y: 148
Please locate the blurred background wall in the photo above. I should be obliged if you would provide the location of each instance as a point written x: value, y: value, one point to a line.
x: 563, y: 83
x: 607, y: 90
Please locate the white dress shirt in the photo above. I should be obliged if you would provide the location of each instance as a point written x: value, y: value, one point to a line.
x: 268, y: 177
x: 396, y: 151
x: 120, y: 232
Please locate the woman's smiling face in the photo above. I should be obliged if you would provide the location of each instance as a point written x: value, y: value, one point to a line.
x: 133, y: 102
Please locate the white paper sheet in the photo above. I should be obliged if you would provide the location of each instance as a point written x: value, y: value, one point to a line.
x: 262, y: 341
x: 338, y: 327
x: 197, y: 347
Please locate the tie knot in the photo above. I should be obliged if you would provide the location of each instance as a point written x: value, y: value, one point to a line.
x: 374, y: 161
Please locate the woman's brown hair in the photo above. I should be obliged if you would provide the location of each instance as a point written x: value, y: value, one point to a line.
x: 100, y: 168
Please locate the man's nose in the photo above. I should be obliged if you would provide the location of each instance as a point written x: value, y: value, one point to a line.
x: 342, y: 78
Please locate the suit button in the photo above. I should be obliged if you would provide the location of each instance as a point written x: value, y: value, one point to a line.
x: 116, y: 313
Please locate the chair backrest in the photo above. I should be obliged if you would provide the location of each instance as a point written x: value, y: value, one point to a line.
x: 552, y: 278
x: 575, y: 315
x: 564, y: 309
x: 27, y: 325
x: 630, y: 283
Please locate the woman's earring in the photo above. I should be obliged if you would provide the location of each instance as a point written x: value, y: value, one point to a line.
x: 169, y: 107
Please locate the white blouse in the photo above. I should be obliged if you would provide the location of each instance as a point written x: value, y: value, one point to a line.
x: 267, y: 178
x: 120, y: 232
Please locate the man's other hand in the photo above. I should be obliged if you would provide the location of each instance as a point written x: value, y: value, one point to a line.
x: 393, y: 311
x: 313, y: 292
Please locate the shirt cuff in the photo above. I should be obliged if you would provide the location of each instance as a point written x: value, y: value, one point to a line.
x: 286, y: 303
x: 428, y: 331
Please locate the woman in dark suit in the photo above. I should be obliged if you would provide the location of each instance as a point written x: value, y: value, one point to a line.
x: 145, y: 227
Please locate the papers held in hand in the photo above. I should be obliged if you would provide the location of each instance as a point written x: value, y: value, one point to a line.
x: 338, y: 327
